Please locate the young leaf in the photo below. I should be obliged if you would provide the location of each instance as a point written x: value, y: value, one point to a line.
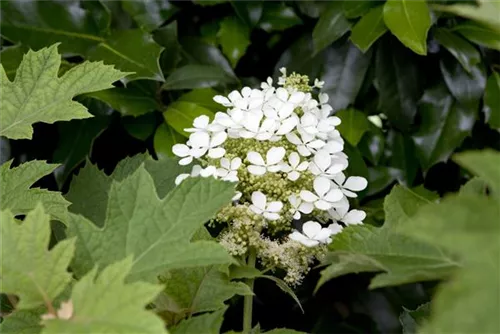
x: 369, y: 28
x: 208, y: 323
x: 234, y: 37
x: 31, y: 271
x: 463, y: 51
x: 409, y: 21
x: 105, y: 304
x: 492, y: 100
x: 354, y: 125
x: 38, y: 95
x: 331, y: 25
x: 400, y: 258
x: 157, y: 232
x: 19, y: 198
x: 165, y: 137
x: 479, y: 34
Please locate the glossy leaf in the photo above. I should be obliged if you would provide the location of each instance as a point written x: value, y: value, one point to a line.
x: 379, y: 178
x: 180, y: 115
x: 479, y: 34
x: 400, y: 155
x: 398, y: 81
x: 198, y: 52
x: 467, y: 88
x: 197, y: 76
x: 484, y: 12
x: 31, y: 271
x: 234, y: 37
x: 38, y: 95
x: 354, y: 125
x: 354, y: 9
x: 166, y: 36
x: 165, y: 137
x: 463, y: 51
x: 372, y: 144
x: 409, y: 21
x: 369, y: 28
x: 149, y: 14
x: 345, y: 70
x: 203, y: 97
x: 277, y: 16
x: 140, y: 127
x: 331, y: 25
x: 492, y: 100
x: 445, y: 124
x: 300, y: 57
x: 168, y: 224
x: 249, y: 12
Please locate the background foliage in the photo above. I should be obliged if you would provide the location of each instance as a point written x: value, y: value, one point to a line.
x: 431, y: 68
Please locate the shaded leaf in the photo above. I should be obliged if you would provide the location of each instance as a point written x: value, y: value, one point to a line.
x: 300, y: 57
x: 285, y: 288
x: 379, y: 178
x: 165, y: 137
x: 203, y: 97
x: 479, y: 34
x: 32, y: 272
x: 166, y: 36
x: 234, y: 37
x: 277, y: 16
x: 38, y: 95
x: 444, y: 126
x: 104, y: 303
x: 149, y: 14
x: 409, y: 21
x: 492, y: 100
x: 209, y: 323
x: 331, y: 25
x: 180, y: 115
x: 483, y: 164
x: 369, y: 28
x: 484, y: 12
x: 400, y: 155
x: 354, y: 125
x: 198, y: 52
x: 354, y: 9
x: 249, y: 12
x: 140, y: 127
x: 465, y: 53
x: 11, y: 57
x: 19, y: 198
x: 197, y: 76
x: 410, y: 320
x: 372, y: 144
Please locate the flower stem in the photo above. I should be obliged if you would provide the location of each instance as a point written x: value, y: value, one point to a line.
x: 248, y: 300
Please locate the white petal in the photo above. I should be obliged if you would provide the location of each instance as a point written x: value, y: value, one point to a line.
x: 297, y: 236
x: 224, y: 119
x: 333, y: 147
x: 257, y: 170
x: 293, y: 138
x: 322, y: 205
x: 356, y: 183
x: 334, y: 214
x: 304, y: 165
x: 255, y: 158
x: 297, y: 97
x: 306, y: 208
x: 235, y: 163
x: 185, y: 161
x: 246, y: 91
x: 274, y: 168
x: 294, y: 200
x: 256, y: 209
x: 311, y: 228
x: 195, y: 171
x: 286, y: 126
x: 209, y: 171
x: 303, y: 150
x: 222, y: 100
x: 180, y: 150
x: 294, y: 159
x: 334, y: 195
x: 216, y: 153
x: 275, y: 155
x: 218, y: 138
x: 323, y: 236
x: 274, y: 206
x: 335, y: 169
x: 349, y: 193
x: 198, y: 151
x: 323, y: 98
x: 336, y: 228
x: 285, y: 110
x: 271, y: 216
x: 322, y: 160
x: 293, y: 176
x: 252, y: 122
x: 285, y: 167
x: 354, y: 217
x: 222, y: 172
x: 225, y: 163
x: 339, y: 178
x: 316, y: 144
x: 199, y: 139
x: 237, y: 196
x: 308, y: 196
x: 321, y: 186
x: 235, y: 95
x: 201, y: 122
x: 296, y: 215
x: 282, y: 94
x: 259, y: 200
x: 180, y: 178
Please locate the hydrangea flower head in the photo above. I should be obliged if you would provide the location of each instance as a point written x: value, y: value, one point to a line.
x: 281, y: 146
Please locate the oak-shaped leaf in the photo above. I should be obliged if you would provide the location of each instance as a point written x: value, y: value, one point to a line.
x: 37, y: 94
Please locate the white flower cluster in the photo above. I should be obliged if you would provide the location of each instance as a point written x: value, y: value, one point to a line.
x: 302, y: 144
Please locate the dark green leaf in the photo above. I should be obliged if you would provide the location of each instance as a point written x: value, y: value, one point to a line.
x: 180, y: 115
x: 345, y: 70
x: 203, y: 97
x: 140, y: 127
x: 379, y: 178
x: 484, y: 12
x: 479, y: 34
x: 277, y: 16
x: 331, y: 26
x: 445, y: 124
x: 372, y: 144
x: 357, y: 165
x: 492, y: 100
x: 249, y: 12
x: 197, y: 76
x: 234, y: 37
x: 209, y: 2
x: 400, y: 156
x: 409, y: 21
x: 354, y: 125
x: 300, y: 57
x: 165, y: 138
x: 198, y: 52
x: 149, y: 14
x: 11, y: 57
x: 354, y: 9
x: 467, y: 88
x: 167, y: 37
x: 138, y: 98
x: 75, y: 143
x: 285, y: 288
x: 410, y: 320
x: 464, y: 52
x: 369, y: 28
x: 398, y: 83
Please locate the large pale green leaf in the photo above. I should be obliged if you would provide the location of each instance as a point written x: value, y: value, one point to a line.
x: 400, y: 258
x: 149, y: 14
x: 354, y: 125
x: 463, y: 51
x: 180, y: 115
x: 38, y: 95
x: 484, y: 12
x: 208, y: 323
x: 197, y: 76
x: 369, y: 28
x: 165, y: 137
x: 104, y: 303
x: 345, y: 70
x: 156, y: 232
x: 409, y: 21
x: 331, y: 25
x: 234, y: 37
x: 17, y: 196
x: 398, y: 83
x: 81, y: 31
x: 29, y: 270
x: 466, y: 224
x: 445, y: 124
x: 467, y: 88
x: 492, y: 100
x: 479, y: 34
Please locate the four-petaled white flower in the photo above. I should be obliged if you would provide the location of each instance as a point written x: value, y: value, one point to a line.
x: 326, y: 195
x: 298, y: 206
x: 254, y: 129
x: 335, y: 228
x: 228, y: 170
x: 272, y: 164
x: 313, y: 234
x: 351, y: 184
x: 324, y: 165
x: 246, y: 100
x: 294, y: 166
x: 186, y: 153
x: 306, y: 144
x: 204, y: 142
x: 259, y: 205
x: 353, y: 217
